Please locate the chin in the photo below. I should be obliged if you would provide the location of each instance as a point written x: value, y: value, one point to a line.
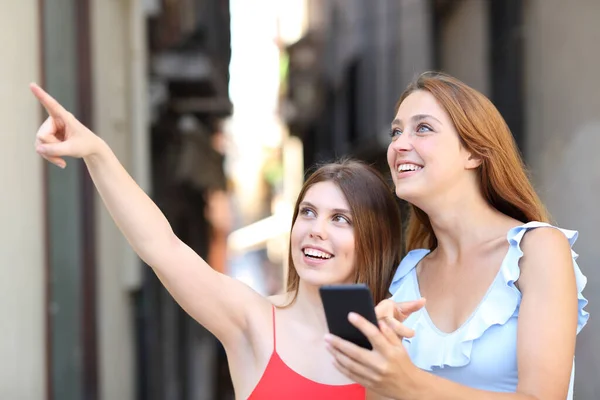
x: 320, y: 278
x: 406, y: 193
x: 412, y: 190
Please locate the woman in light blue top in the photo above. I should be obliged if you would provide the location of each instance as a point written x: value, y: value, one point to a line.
x: 503, y: 290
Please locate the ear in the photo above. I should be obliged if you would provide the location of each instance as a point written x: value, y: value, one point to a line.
x: 473, y: 162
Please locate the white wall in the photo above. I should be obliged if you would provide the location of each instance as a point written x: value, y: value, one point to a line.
x: 563, y: 141
x: 22, y: 327
x: 115, y: 119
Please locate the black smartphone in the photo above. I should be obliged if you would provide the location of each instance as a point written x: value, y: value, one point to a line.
x: 339, y: 301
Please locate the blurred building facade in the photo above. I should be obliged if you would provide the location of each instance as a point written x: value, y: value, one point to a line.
x: 82, y: 318
x: 189, y: 56
x: 347, y: 73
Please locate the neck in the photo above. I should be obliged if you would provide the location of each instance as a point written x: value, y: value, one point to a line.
x: 462, y: 220
x: 309, y: 307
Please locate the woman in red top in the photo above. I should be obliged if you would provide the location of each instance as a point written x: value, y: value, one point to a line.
x: 346, y: 228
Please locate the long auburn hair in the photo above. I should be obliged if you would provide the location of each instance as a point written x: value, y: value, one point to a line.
x: 483, y: 132
x: 375, y: 219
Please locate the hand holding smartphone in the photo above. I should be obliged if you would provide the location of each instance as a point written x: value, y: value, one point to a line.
x: 339, y: 301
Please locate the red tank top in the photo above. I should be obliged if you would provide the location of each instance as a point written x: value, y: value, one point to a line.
x: 281, y: 382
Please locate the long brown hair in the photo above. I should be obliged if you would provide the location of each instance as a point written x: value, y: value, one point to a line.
x: 483, y: 132
x: 375, y: 219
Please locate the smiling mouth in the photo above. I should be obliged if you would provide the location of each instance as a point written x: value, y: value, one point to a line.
x: 316, y: 254
x: 403, y: 168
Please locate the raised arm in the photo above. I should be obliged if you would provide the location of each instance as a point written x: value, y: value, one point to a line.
x: 216, y: 301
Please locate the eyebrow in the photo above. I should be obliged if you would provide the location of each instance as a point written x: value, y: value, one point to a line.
x: 334, y: 210
x: 416, y: 118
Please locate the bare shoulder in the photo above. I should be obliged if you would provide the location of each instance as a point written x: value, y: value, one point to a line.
x: 545, y: 241
x: 546, y: 251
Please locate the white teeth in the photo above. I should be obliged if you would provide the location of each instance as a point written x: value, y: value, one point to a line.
x: 408, y: 167
x: 316, y: 253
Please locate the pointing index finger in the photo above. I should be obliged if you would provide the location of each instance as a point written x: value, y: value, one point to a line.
x: 52, y: 106
x: 409, y: 307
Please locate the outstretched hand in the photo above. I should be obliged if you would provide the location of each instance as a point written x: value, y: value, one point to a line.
x: 62, y: 135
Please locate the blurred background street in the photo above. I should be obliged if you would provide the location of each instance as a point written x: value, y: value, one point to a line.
x: 217, y: 108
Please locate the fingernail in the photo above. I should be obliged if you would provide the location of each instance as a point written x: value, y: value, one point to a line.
x: 328, y: 338
x: 352, y: 317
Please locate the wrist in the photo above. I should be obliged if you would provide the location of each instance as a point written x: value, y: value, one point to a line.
x: 418, y: 385
x: 99, y: 151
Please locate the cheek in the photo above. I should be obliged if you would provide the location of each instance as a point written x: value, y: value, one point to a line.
x: 296, y: 234
x: 429, y: 150
x: 349, y: 247
x: 441, y: 148
x: 435, y: 155
x: 390, y: 156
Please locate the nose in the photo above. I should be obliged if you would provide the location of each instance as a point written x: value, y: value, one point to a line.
x: 401, y: 143
x: 318, y: 229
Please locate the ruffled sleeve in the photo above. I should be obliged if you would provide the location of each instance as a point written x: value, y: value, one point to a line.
x: 408, y: 263
x: 515, y: 236
x: 431, y: 348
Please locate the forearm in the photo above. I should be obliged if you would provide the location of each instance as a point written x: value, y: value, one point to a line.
x: 431, y: 387
x: 139, y: 219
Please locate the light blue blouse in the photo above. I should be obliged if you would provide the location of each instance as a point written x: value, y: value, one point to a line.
x: 482, y: 353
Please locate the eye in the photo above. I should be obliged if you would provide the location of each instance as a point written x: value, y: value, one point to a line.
x: 307, y: 212
x: 395, y: 132
x: 423, y: 128
x: 339, y: 218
